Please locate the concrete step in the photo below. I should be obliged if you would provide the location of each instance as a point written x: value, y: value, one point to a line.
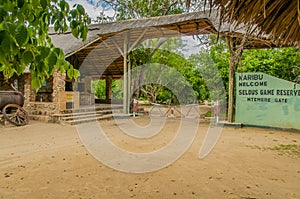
x: 87, y: 114
x: 75, y: 114
x: 92, y: 109
x: 87, y: 120
x: 78, y: 117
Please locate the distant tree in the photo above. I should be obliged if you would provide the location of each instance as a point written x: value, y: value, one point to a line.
x: 25, y: 41
x: 283, y: 63
x: 212, y: 84
x: 186, y: 68
x: 99, y: 88
x: 135, y: 9
x: 161, y: 76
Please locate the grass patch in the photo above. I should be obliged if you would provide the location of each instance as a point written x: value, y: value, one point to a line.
x: 290, y: 149
x: 287, y: 149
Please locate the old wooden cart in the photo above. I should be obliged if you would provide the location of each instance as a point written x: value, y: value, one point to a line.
x: 11, y: 103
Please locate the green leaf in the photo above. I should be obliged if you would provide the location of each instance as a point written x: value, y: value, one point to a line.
x: 52, y: 59
x: 31, y: 18
x: 5, y: 41
x: 27, y: 57
x: 65, y: 26
x: 58, y: 51
x: 60, y: 54
x: 70, y: 73
x: 67, y: 8
x: 80, y: 9
x: 53, y: 19
x: 35, y: 83
x: 56, y: 26
x: 62, y: 5
x: 35, y: 4
x: 20, y: 3
x: 76, y: 73
x: 67, y: 65
x: 40, y: 67
x: 73, y: 24
x: 38, y: 58
x: 44, y: 3
x: 73, y: 13
x: 75, y: 32
x: 3, y: 13
x: 69, y: 18
x: 21, y: 35
x: 20, y: 69
x: 44, y: 51
x: 2, y: 58
x: 45, y: 17
x: 21, y: 16
x: 84, y: 33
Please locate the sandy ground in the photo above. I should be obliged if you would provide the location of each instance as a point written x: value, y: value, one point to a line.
x: 44, y: 160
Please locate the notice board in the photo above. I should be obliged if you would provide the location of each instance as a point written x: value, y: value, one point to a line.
x: 264, y: 100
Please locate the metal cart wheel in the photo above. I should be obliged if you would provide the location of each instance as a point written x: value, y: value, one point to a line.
x: 15, y: 114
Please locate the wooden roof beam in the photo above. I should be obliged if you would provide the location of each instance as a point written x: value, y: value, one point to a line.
x: 89, y: 63
x: 117, y: 46
x: 138, y: 40
x: 109, y: 54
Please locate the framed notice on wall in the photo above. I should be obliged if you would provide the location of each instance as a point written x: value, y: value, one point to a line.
x: 69, y: 97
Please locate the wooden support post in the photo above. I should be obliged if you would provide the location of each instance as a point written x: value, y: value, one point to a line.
x: 129, y: 82
x: 125, y: 83
x: 232, y: 69
x: 108, y: 96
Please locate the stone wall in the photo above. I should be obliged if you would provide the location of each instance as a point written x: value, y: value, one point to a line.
x: 58, y: 86
x: 41, y: 110
x: 28, y: 93
x: 49, y: 100
x: 50, y: 93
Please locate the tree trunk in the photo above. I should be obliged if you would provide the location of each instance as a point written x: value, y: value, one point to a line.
x: 235, y: 58
x: 232, y: 69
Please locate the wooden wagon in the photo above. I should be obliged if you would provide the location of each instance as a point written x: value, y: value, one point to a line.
x: 11, y: 103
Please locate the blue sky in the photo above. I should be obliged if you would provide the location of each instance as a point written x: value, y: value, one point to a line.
x: 92, y: 7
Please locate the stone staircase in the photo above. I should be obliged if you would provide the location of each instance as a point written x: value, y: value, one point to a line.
x: 86, y: 114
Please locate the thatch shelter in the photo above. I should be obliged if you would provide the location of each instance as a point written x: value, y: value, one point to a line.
x: 141, y: 30
x: 107, y: 40
x: 279, y: 20
x: 107, y: 45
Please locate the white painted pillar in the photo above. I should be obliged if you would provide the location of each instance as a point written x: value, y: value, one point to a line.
x: 125, y: 83
x: 128, y: 82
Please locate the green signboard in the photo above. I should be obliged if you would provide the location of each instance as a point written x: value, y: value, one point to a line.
x: 264, y: 100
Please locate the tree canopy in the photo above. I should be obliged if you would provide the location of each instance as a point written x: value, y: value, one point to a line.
x: 283, y: 63
x: 25, y: 41
x: 135, y: 9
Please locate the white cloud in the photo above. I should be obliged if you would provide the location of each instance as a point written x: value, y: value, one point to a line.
x: 92, y: 10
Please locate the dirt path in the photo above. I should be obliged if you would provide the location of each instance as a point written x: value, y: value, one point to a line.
x: 45, y: 160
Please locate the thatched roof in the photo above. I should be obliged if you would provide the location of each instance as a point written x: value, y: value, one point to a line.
x: 104, y: 44
x: 187, y: 24
x: 278, y: 19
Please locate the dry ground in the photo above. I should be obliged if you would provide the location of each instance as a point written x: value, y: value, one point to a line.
x: 44, y: 160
